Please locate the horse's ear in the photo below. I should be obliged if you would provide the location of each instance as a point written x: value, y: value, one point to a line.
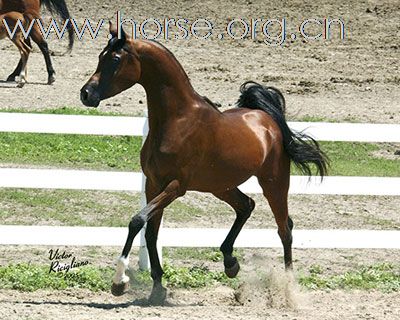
x: 114, y: 32
x: 123, y: 35
x: 113, y: 29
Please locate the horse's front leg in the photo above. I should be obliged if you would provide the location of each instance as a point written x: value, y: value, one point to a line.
x: 158, y: 293
x: 152, y: 214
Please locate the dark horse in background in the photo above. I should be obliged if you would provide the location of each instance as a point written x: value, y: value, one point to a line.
x: 192, y: 145
x: 31, y: 10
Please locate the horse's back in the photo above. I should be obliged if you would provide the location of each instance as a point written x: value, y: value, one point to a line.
x: 19, y: 6
x: 242, y: 141
x: 10, y: 19
x: 255, y: 121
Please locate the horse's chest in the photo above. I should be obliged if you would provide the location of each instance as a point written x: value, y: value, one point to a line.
x: 159, y: 162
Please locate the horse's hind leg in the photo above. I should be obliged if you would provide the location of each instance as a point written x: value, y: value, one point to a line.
x: 16, y: 72
x: 37, y: 37
x: 243, y: 206
x: 18, y: 68
x: 24, y: 51
x: 275, y: 188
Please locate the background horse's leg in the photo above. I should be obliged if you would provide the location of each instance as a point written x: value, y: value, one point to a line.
x: 276, y: 191
x: 18, y: 68
x: 243, y: 206
x: 37, y: 37
x: 24, y: 51
x: 152, y: 215
x: 16, y: 72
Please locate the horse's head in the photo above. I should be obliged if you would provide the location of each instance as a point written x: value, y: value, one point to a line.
x: 118, y: 69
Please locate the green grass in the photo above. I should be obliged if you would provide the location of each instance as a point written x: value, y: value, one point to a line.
x: 357, y: 159
x: 308, y: 118
x: 122, y: 153
x: 199, y: 254
x: 77, y: 151
x: 81, y: 208
x: 29, y: 277
x: 66, y: 110
x: 311, y: 119
x: 197, y: 276
x: 384, y: 277
x: 211, y: 254
x: 67, y: 207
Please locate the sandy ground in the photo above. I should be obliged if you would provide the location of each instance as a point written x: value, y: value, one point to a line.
x: 355, y: 79
x: 199, y: 304
x: 266, y: 292
x: 351, y: 80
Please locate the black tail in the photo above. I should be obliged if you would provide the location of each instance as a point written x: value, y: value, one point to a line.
x: 59, y: 7
x: 301, y: 148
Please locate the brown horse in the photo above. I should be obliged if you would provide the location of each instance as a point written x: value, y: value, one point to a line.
x: 191, y: 145
x: 10, y: 20
x: 31, y: 10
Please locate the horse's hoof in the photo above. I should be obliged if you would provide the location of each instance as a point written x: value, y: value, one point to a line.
x: 51, y: 80
x: 11, y: 78
x: 20, y: 84
x: 231, y: 272
x: 157, y: 296
x: 119, y: 289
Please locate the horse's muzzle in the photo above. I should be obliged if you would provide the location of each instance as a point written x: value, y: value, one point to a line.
x: 90, y: 96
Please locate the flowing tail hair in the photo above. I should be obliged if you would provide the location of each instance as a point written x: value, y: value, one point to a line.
x: 60, y: 8
x: 301, y: 148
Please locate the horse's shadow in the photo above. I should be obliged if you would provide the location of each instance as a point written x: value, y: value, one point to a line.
x: 140, y: 302
x: 14, y: 85
x: 8, y: 84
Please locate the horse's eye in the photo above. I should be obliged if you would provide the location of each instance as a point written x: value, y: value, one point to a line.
x: 116, y: 59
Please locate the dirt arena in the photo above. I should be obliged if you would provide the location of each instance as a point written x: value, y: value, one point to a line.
x: 355, y: 79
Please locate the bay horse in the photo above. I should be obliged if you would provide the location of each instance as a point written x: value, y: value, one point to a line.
x: 191, y: 145
x: 31, y: 10
x: 11, y: 19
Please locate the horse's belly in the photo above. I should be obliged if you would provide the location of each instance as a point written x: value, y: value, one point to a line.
x: 218, y: 180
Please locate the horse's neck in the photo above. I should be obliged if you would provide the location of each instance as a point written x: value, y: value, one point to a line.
x: 169, y: 92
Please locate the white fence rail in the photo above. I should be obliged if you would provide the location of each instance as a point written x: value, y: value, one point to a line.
x: 196, y: 237
x: 132, y: 181
x: 133, y: 126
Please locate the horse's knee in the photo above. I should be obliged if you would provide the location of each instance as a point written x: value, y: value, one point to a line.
x: 44, y: 47
x: 246, y: 209
x: 137, y: 223
x: 250, y: 207
x: 43, y: 44
x: 290, y: 223
x: 286, y: 236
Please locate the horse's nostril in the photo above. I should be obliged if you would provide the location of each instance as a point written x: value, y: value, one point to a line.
x: 89, y: 96
x: 84, y: 94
